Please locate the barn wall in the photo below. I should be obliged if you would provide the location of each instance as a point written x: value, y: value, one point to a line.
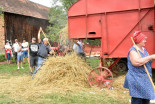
x: 19, y: 27
x: 2, y: 36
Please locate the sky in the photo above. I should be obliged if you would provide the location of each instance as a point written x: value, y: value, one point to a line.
x: 47, y: 3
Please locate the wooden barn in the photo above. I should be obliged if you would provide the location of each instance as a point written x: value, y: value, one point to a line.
x: 21, y: 19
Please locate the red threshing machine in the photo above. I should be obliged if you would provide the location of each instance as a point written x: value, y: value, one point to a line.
x: 113, y: 22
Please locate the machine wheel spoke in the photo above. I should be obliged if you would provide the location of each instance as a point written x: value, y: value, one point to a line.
x: 100, y: 77
x: 93, y: 82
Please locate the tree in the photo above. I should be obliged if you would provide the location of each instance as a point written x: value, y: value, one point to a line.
x: 66, y: 3
x: 58, y: 20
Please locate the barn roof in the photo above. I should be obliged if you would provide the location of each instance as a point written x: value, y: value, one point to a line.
x: 25, y: 7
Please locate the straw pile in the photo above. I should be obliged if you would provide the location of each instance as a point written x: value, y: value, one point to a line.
x: 58, y: 74
x: 65, y: 72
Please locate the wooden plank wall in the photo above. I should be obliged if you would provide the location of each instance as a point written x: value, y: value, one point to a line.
x: 19, y: 27
x: 2, y: 36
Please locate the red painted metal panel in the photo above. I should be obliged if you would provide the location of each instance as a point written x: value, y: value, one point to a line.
x: 146, y: 3
x: 94, y: 50
x: 89, y: 27
x: 145, y: 24
x: 153, y: 64
x: 118, y: 26
x: 77, y: 27
x: 94, y: 26
x: 120, y: 43
x: 78, y: 8
x: 101, y: 6
x: 114, y: 22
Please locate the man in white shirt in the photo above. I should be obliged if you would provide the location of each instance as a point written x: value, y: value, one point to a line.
x: 15, y: 49
x: 25, y: 50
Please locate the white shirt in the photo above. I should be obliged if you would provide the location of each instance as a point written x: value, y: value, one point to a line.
x: 78, y: 49
x: 25, y: 45
x: 7, y: 46
x: 15, y: 47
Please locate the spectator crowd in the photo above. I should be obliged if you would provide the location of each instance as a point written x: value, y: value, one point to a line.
x: 22, y: 51
x: 35, y: 53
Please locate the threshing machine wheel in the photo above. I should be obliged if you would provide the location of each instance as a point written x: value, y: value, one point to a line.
x: 100, y: 77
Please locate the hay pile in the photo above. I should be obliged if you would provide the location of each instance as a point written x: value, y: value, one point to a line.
x: 58, y: 74
x: 65, y: 72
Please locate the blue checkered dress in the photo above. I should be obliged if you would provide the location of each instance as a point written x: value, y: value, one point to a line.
x: 137, y: 80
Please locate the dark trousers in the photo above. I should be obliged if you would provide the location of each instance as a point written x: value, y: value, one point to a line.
x: 15, y: 55
x: 139, y: 101
x: 82, y: 55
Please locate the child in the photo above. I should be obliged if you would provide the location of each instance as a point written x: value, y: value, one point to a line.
x: 8, y: 52
x: 20, y: 56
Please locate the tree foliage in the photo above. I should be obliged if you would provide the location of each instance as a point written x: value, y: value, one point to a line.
x: 66, y: 3
x: 58, y: 18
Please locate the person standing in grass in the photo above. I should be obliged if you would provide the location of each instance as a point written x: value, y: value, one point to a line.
x: 25, y: 50
x: 137, y: 80
x: 43, y: 51
x: 20, y: 56
x: 33, y: 47
x: 8, y: 52
x: 15, y: 49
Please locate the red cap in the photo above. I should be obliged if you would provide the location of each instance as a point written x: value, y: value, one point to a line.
x: 138, y: 36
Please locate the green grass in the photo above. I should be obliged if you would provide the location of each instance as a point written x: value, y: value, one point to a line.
x: 2, y: 57
x: 93, y: 61
x: 81, y: 98
x: 12, y: 69
x: 68, y: 98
